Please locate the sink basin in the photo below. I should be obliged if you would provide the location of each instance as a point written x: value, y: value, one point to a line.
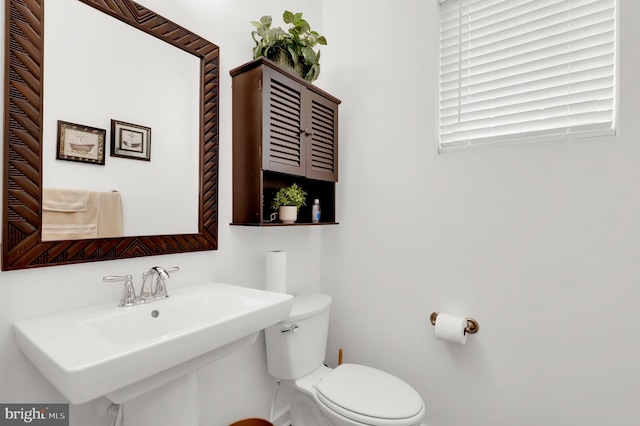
x: 125, y: 352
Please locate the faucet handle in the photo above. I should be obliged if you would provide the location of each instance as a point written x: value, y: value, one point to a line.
x: 172, y: 270
x: 161, y: 287
x: 128, y: 292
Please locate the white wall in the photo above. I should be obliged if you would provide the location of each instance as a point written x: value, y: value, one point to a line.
x: 237, y: 386
x: 539, y: 243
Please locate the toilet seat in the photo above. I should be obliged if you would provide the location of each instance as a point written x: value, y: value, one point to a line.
x: 370, y: 396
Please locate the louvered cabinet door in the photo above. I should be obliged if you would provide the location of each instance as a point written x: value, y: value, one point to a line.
x: 285, y: 131
x: 284, y: 147
x: 321, y: 131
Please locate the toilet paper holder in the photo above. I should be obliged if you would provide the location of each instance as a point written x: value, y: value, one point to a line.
x: 471, y: 328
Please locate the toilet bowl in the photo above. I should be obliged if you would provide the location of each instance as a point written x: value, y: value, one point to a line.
x: 350, y: 394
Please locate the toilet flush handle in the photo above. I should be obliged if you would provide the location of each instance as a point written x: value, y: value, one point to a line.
x: 292, y: 328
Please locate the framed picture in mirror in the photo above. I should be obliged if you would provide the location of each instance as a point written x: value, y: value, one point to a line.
x: 81, y: 143
x: 130, y: 141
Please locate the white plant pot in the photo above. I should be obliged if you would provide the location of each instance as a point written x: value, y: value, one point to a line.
x: 287, y: 214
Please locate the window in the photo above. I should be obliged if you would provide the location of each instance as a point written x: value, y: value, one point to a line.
x: 519, y: 71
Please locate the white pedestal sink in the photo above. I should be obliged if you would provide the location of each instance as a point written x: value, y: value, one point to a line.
x: 123, y: 353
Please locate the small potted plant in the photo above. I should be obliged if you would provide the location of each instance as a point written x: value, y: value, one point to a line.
x: 287, y: 202
x: 293, y: 49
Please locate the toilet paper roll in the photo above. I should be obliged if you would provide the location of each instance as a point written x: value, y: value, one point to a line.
x: 450, y: 328
x: 277, y: 271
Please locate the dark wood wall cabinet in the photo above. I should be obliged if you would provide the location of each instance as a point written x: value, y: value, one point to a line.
x: 285, y: 130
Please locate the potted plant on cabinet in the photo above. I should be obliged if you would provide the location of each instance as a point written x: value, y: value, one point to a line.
x: 287, y: 202
x: 293, y: 49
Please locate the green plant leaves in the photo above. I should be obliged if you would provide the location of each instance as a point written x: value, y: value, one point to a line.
x: 309, y: 55
x: 288, y: 17
x: 289, y: 196
x: 299, y: 41
x: 266, y: 21
x: 294, y: 55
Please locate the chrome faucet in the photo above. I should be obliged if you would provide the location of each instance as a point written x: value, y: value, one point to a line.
x: 148, y: 292
x: 128, y: 292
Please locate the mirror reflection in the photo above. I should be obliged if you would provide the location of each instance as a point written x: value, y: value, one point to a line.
x: 97, y: 70
x: 25, y: 144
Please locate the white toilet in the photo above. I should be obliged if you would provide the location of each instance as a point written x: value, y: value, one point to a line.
x: 350, y: 394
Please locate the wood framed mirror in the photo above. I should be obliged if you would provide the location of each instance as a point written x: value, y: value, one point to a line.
x: 22, y: 245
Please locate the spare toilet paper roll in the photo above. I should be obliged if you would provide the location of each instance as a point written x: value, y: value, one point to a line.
x: 450, y: 328
x: 277, y: 271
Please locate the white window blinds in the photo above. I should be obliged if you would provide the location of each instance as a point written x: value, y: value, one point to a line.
x: 515, y: 71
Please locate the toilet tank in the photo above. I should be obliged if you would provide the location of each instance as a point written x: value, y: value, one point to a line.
x: 296, y: 353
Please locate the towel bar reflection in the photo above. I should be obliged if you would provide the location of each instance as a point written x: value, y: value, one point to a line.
x: 471, y: 328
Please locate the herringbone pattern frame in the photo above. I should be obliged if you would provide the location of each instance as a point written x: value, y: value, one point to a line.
x: 21, y: 243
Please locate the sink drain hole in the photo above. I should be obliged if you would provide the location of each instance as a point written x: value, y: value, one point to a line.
x: 155, y: 313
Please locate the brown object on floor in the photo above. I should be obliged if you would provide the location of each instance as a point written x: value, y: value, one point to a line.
x: 252, y: 422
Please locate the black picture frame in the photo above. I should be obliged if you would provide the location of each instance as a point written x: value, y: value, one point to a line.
x: 130, y: 141
x: 77, y: 142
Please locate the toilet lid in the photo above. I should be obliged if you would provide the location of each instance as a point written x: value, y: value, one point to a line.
x: 357, y: 391
x: 308, y: 305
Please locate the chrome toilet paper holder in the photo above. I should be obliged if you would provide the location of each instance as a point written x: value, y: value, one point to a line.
x: 471, y: 328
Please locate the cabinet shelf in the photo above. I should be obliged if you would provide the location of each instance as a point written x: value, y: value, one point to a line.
x: 285, y: 131
x: 272, y: 224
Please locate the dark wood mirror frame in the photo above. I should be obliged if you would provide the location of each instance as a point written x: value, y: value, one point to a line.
x: 22, y: 246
